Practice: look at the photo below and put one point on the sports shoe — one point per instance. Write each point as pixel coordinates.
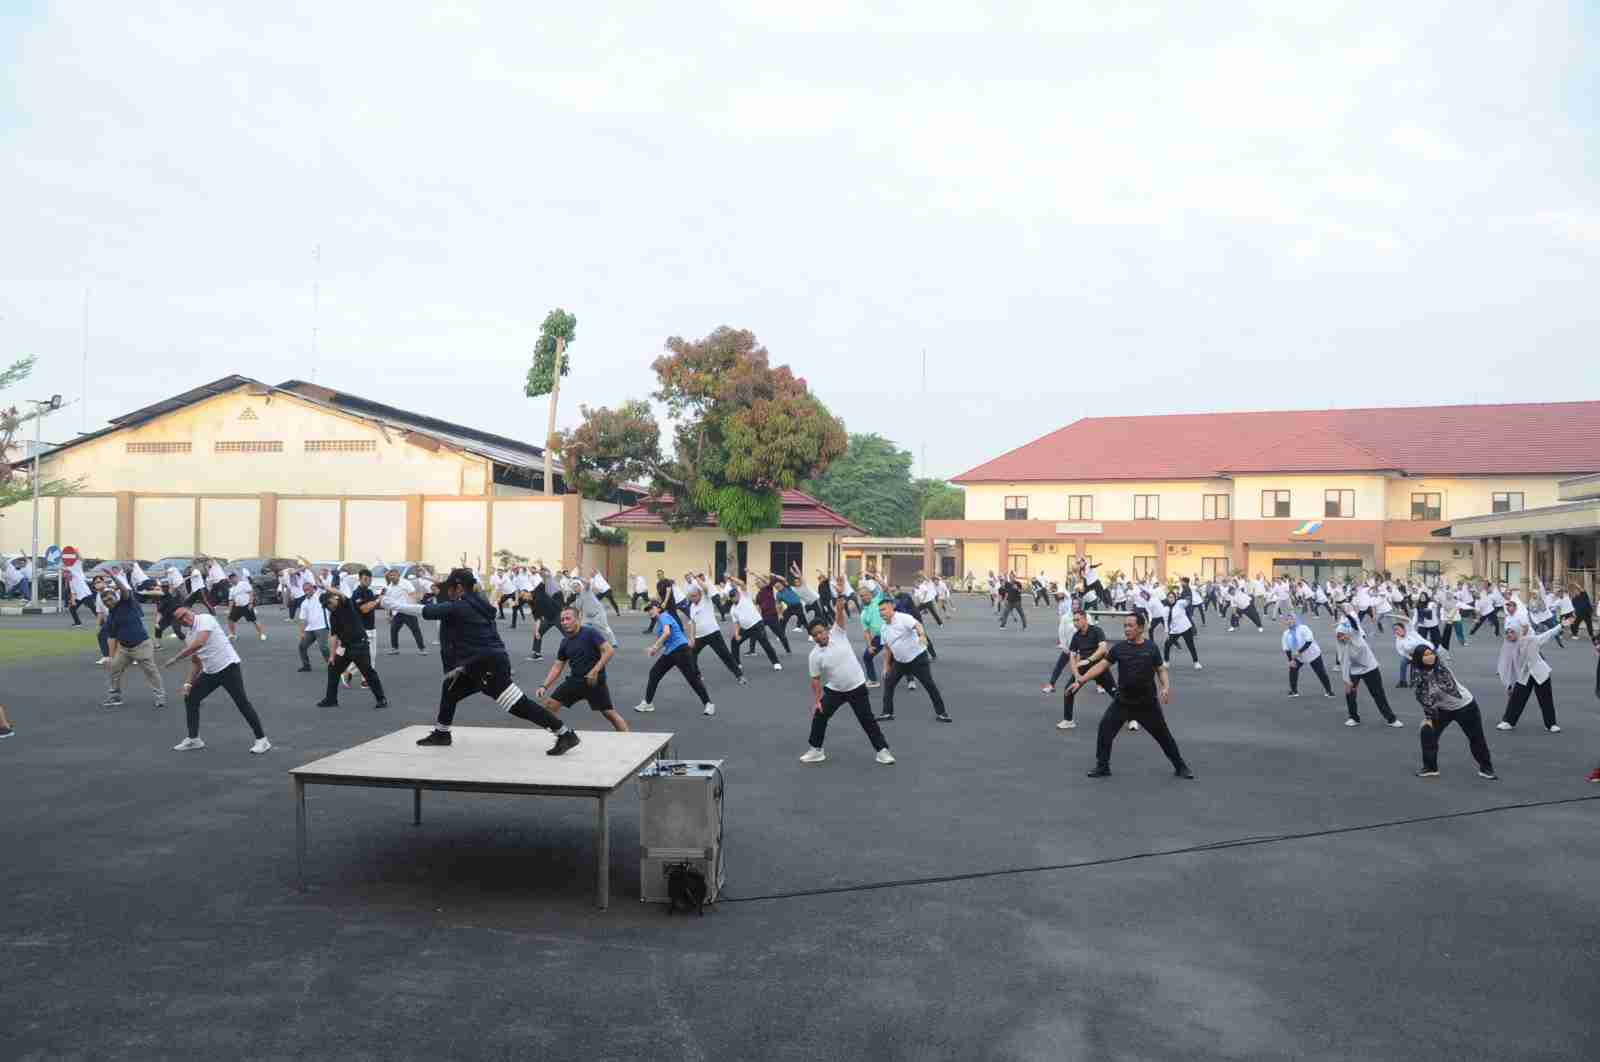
(102, 660)
(233, 637)
(1327, 694)
(113, 701)
(422, 652)
(1133, 724)
(813, 756)
(380, 705)
(263, 635)
(911, 684)
(1047, 689)
(743, 681)
(1292, 693)
(391, 652)
(1184, 773)
(188, 744)
(884, 756)
(777, 667)
(535, 656)
(1553, 729)
(567, 739)
(1100, 772)
(345, 678)
(644, 706)
(160, 702)
(886, 717)
(1594, 775)
(710, 709)
(1067, 724)
(1487, 775)
(1428, 772)
(942, 717)
(1503, 725)
(327, 704)
(1352, 722)
(1396, 723)
(435, 737)
(261, 745)
(873, 684)
(303, 667)
(6, 731)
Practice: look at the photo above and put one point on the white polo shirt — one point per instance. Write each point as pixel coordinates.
(398, 593)
(240, 594)
(218, 653)
(704, 618)
(837, 664)
(899, 635)
(312, 614)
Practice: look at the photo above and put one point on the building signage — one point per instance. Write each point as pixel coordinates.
(1079, 529)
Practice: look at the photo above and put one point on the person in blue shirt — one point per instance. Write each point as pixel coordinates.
(128, 643)
(672, 649)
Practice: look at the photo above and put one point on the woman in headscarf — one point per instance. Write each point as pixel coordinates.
(1302, 650)
(1524, 671)
(1444, 701)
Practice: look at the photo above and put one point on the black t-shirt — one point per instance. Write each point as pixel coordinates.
(582, 651)
(361, 595)
(1013, 593)
(1136, 670)
(1086, 641)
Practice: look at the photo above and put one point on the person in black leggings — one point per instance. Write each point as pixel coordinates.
(675, 651)
(1582, 610)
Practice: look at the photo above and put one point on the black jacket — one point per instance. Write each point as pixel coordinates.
(466, 628)
(344, 623)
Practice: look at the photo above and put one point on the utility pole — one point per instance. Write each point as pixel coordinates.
(39, 408)
(85, 427)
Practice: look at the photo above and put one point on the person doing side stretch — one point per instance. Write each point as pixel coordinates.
(588, 652)
(675, 651)
(1444, 701)
(907, 643)
(1140, 670)
(837, 679)
(1179, 627)
(1302, 650)
(1085, 641)
(706, 633)
(216, 663)
(1358, 664)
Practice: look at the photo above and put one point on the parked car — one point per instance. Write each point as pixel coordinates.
(263, 574)
(407, 569)
(110, 567)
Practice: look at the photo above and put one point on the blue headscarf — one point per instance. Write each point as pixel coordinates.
(1294, 632)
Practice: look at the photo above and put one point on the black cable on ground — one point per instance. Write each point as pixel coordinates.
(1214, 846)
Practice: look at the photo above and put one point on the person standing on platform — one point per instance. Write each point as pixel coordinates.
(1444, 701)
(672, 650)
(587, 652)
(909, 654)
(350, 648)
(1358, 665)
(475, 661)
(1301, 648)
(241, 606)
(1140, 674)
(836, 680)
(129, 644)
(215, 664)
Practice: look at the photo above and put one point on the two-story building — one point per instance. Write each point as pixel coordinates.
(1317, 493)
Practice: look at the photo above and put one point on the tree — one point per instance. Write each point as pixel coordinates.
(506, 558)
(871, 484)
(544, 375)
(743, 432)
(17, 485)
(941, 501)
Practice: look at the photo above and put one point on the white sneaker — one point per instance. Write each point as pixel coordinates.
(813, 756)
(1397, 723)
(1047, 689)
(261, 745)
(233, 637)
(188, 743)
(884, 756)
(1067, 724)
(644, 706)
(1502, 725)
(263, 636)
(777, 667)
(1352, 722)
(1198, 666)
(873, 684)
(710, 709)
(1133, 724)
(102, 660)
(1553, 729)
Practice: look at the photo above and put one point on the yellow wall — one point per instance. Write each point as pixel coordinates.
(90, 524)
(16, 526)
(531, 529)
(1306, 500)
(453, 532)
(163, 527)
(981, 559)
(309, 528)
(1400, 557)
(375, 531)
(1118, 556)
(230, 527)
(1180, 499)
(1468, 497)
(1180, 564)
(696, 551)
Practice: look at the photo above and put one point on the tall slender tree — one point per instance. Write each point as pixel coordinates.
(544, 375)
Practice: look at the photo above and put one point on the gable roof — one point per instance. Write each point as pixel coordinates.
(1538, 438)
(800, 512)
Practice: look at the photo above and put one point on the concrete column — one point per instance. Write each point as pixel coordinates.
(928, 564)
(197, 525)
(414, 527)
(1527, 561)
(125, 523)
(1560, 553)
(1005, 556)
(267, 524)
(573, 524)
(1161, 560)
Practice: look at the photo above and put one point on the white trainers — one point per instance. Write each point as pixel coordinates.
(1502, 725)
(263, 636)
(1067, 724)
(644, 706)
(102, 660)
(777, 667)
(1397, 723)
(884, 756)
(187, 744)
(1199, 666)
(1352, 722)
(1553, 728)
(873, 684)
(1047, 689)
(710, 709)
(813, 756)
(261, 745)
(1133, 724)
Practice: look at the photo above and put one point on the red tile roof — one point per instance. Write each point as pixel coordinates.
(800, 511)
(1542, 438)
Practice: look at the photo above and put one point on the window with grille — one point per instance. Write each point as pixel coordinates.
(248, 446)
(1423, 569)
(1080, 507)
(1339, 503)
(1213, 567)
(1144, 567)
(1426, 506)
(1147, 506)
(1274, 503)
(1507, 501)
(341, 446)
(156, 448)
(655, 546)
(1216, 507)
(1016, 506)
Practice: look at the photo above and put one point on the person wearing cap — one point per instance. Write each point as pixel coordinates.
(475, 661)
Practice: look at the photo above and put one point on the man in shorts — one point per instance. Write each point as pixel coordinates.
(241, 606)
(587, 652)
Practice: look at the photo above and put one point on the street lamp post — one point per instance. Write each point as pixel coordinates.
(39, 408)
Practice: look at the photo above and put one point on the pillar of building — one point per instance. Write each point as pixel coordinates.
(1004, 560)
(267, 524)
(1161, 560)
(1528, 576)
(1560, 553)
(125, 523)
(414, 527)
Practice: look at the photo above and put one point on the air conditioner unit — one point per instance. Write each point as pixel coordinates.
(1050, 547)
(1455, 551)
(1038, 548)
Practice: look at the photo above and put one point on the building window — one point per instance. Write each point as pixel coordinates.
(1144, 567)
(156, 448)
(1216, 507)
(1274, 503)
(1423, 569)
(1213, 567)
(655, 546)
(1080, 507)
(341, 446)
(247, 446)
(784, 555)
(1426, 506)
(947, 567)
(1511, 572)
(1339, 503)
(1016, 506)
(1147, 506)
(1507, 501)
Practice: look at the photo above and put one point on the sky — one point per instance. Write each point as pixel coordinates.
(1074, 209)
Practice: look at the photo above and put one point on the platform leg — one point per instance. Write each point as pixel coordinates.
(300, 833)
(416, 806)
(602, 844)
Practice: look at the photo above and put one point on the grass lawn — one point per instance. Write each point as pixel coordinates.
(23, 644)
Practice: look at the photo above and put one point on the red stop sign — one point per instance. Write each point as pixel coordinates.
(69, 556)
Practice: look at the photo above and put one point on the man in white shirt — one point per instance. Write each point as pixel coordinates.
(395, 592)
(79, 593)
(907, 643)
(706, 631)
(602, 589)
(313, 628)
(837, 679)
(215, 664)
(639, 592)
(241, 605)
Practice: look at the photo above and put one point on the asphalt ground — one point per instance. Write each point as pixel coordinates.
(1306, 897)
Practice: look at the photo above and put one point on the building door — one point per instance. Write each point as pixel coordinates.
(721, 562)
(783, 555)
(1315, 570)
(1019, 565)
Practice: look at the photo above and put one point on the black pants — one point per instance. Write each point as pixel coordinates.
(1249, 611)
(1148, 716)
(1062, 660)
(1068, 698)
(756, 634)
(1008, 609)
(859, 703)
(1432, 634)
(1446, 629)
(679, 658)
(1492, 617)
(718, 645)
(1200, 610)
(1373, 680)
(919, 669)
(543, 626)
(230, 678)
(1187, 637)
(1471, 722)
(361, 657)
(799, 614)
(1317, 666)
(639, 596)
(73, 604)
(516, 608)
(1519, 700)
(1586, 619)
(776, 627)
(1040, 596)
(491, 675)
(607, 596)
(402, 619)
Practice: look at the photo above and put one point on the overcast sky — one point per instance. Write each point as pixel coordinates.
(1074, 208)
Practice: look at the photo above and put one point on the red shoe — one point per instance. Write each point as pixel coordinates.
(1594, 775)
